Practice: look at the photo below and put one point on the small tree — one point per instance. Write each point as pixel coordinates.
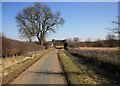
(75, 39)
(110, 39)
(38, 21)
(116, 29)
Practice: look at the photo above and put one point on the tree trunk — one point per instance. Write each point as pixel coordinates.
(40, 41)
(30, 40)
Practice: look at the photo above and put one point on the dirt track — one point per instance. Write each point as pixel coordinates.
(47, 70)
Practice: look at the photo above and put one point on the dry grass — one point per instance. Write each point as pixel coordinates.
(98, 48)
(19, 65)
(74, 74)
(93, 71)
(109, 55)
(7, 62)
(107, 59)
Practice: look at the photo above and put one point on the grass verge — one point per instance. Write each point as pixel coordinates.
(101, 72)
(89, 68)
(74, 74)
(17, 69)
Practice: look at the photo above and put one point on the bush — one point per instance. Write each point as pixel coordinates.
(13, 47)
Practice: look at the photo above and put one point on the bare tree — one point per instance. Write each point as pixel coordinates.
(75, 39)
(110, 38)
(38, 21)
(26, 34)
(116, 29)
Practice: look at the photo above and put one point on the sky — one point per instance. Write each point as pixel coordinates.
(82, 19)
(0, 17)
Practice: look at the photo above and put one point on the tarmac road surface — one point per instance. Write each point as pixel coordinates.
(46, 70)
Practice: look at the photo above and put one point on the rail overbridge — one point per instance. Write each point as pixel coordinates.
(56, 43)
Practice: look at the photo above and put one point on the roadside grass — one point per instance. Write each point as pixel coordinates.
(73, 73)
(9, 61)
(93, 71)
(102, 65)
(14, 70)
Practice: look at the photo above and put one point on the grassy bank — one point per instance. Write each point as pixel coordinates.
(73, 73)
(14, 70)
(90, 69)
(101, 63)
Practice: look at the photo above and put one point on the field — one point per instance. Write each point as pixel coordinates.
(98, 48)
(81, 66)
(105, 60)
(73, 73)
(109, 55)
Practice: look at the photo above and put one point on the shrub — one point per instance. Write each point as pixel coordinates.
(13, 47)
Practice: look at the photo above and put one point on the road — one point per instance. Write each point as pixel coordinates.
(46, 70)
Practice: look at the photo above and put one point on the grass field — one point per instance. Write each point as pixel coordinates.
(109, 55)
(99, 49)
(84, 70)
(104, 61)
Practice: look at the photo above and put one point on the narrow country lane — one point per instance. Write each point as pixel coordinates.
(47, 70)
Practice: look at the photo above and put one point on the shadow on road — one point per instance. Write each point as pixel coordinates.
(58, 73)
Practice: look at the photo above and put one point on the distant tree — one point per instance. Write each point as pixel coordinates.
(116, 29)
(88, 40)
(98, 39)
(38, 21)
(75, 39)
(69, 40)
(110, 39)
